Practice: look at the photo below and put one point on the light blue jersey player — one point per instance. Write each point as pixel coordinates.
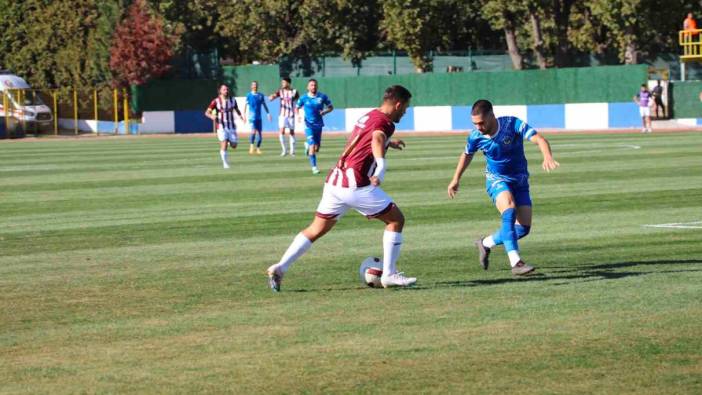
(254, 101)
(316, 105)
(507, 178)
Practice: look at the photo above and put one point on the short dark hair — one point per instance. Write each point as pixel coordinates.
(287, 79)
(397, 93)
(644, 86)
(481, 107)
(312, 79)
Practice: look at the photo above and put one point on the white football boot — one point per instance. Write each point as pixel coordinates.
(397, 280)
(275, 277)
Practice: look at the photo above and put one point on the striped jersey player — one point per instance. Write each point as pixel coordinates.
(507, 179)
(221, 110)
(354, 182)
(286, 118)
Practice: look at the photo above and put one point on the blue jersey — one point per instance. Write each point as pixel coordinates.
(255, 101)
(313, 105)
(504, 152)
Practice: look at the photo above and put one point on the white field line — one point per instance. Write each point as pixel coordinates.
(677, 225)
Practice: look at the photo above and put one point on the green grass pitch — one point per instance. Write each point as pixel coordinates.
(137, 265)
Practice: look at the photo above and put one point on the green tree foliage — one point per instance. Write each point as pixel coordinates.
(57, 43)
(193, 20)
(343, 26)
(263, 30)
(417, 27)
(65, 43)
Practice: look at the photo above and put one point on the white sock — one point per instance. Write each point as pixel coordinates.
(298, 247)
(225, 156)
(513, 257)
(282, 141)
(392, 242)
(292, 144)
(489, 242)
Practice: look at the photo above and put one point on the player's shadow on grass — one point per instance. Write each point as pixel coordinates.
(562, 275)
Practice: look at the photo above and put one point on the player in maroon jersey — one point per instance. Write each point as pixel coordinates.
(286, 118)
(221, 111)
(355, 183)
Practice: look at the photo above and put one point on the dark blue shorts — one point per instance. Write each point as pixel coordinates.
(256, 124)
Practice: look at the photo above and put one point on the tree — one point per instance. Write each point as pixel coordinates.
(504, 14)
(58, 43)
(141, 49)
(419, 26)
(193, 20)
(347, 26)
(535, 9)
(262, 31)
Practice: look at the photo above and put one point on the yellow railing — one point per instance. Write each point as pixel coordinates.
(691, 43)
(98, 105)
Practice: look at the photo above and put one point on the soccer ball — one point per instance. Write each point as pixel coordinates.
(370, 271)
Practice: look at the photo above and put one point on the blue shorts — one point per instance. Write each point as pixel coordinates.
(256, 124)
(518, 188)
(313, 136)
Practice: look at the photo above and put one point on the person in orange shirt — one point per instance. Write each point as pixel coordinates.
(690, 24)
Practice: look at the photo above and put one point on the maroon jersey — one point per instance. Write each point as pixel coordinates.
(357, 164)
(225, 112)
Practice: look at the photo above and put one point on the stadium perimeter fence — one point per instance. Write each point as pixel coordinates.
(66, 111)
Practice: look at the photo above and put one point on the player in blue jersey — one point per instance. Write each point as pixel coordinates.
(252, 113)
(501, 140)
(315, 104)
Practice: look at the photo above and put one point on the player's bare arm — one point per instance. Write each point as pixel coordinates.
(268, 113)
(545, 148)
(378, 147)
(327, 110)
(463, 163)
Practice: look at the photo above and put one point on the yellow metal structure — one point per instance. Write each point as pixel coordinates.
(691, 43)
(54, 94)
(83, 104)
(125, 104)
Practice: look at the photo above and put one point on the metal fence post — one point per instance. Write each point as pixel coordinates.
(56, 114)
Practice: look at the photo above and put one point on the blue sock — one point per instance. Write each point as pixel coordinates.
(522, 230)
(497, 237)
(508, 232)
(313, 160)
(259, 139)
(251, 138)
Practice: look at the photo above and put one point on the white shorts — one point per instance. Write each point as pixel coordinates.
(286, 122)
(227, 135)
(370, 201)
(645, 111)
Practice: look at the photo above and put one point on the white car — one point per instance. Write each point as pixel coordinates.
(31, 113)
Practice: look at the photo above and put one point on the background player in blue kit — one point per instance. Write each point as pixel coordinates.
(507, 178)
(254, 101)
(316, 105)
